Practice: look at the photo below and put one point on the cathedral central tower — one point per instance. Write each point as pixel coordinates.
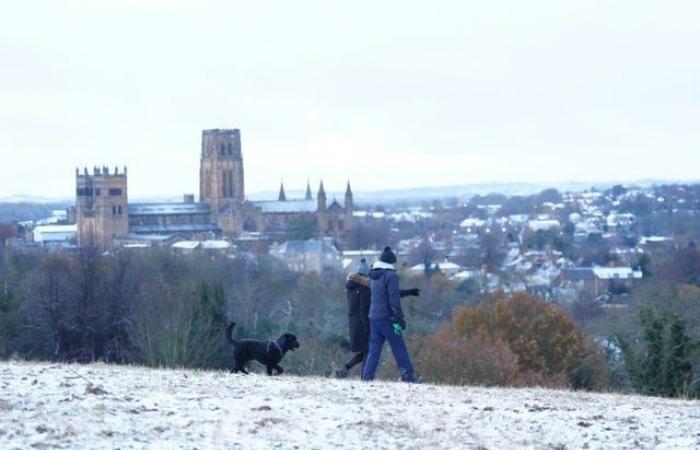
(221, 168)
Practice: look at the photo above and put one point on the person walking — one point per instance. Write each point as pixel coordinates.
(359, 295)
(359, 298)
(386, 318)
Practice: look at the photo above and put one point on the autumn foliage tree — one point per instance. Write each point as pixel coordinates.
(550, 349)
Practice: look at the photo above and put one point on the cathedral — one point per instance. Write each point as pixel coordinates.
(105, 218)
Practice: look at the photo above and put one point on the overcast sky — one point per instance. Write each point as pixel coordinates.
(384, 93)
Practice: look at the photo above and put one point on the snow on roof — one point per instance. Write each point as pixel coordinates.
(149, 209)
(466, 274)
(56, 229)
(186, 245)
(172, 228)
(654, 239)
(549, 224)
(301, 247)
(445, 265)
(216, 244)
(410, 216)
(374, 215)
(609, 273)
(287, 206)
(470, 222)
(361, 252)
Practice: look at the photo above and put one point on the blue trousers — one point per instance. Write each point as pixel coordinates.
(380, 331)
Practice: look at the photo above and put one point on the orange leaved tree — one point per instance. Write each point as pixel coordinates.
(549, 347)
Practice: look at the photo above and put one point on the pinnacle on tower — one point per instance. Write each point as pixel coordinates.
(321, 198)
(282, 196)
(308, 190)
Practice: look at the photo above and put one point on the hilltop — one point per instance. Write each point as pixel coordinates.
(100, 406)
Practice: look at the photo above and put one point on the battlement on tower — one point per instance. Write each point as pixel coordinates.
(100, 172)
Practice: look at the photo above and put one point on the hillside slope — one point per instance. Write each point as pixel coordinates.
(100, 406)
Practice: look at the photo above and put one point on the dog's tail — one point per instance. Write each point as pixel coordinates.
(229, 333)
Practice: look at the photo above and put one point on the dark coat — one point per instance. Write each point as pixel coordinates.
(359, 297)
(386, 295)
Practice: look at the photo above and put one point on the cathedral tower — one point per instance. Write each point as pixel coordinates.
(101, 207)
(221, 168)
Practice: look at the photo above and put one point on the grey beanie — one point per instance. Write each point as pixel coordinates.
(363, 268)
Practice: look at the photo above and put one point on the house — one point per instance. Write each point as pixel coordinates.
(472, 223)
(449, 269)
(55, 234)
(600, 280)
(543, 224)
(210, 246)
(313, 255)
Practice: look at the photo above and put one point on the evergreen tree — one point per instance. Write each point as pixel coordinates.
(663, 366)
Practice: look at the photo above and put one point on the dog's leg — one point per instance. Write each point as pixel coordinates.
(269, 370)
(244, 371)
(279, 369)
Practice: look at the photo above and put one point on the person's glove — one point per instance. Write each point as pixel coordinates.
(415, 292)
(399, 326)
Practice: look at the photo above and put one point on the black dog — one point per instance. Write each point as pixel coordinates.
(267, 353)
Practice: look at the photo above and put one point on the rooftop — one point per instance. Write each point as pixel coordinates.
(287, 206)
(172, 229)
(148, 209)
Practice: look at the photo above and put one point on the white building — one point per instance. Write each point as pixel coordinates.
(308, 256)
(55, 234)
(544, 225)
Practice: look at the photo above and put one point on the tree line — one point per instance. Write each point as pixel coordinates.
(159, 309)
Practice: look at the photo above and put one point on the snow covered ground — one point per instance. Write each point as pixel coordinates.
(100, 406)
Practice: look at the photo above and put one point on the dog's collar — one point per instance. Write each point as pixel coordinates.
(276, 344)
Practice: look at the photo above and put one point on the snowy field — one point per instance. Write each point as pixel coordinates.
(100, 406)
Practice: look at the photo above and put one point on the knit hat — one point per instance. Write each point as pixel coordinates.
(363, 268)
(388, 256)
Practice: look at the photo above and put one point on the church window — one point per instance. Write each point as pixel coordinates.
(98, 191)
(114, 210)
(230, 183)
(115, 192)
(222, 149)
(224, 184)
(119, 208)
(341, 225)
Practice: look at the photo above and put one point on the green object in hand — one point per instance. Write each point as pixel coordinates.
(397, 329)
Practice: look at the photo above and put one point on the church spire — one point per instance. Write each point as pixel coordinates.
(348, 199)
(321, 198)
(282, 196)
(308, 190)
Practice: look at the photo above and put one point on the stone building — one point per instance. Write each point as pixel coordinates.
(104, 216)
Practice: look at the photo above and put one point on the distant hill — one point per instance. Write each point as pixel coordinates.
(22, 207)
(464, 192)
(100, 406)
(24, 211)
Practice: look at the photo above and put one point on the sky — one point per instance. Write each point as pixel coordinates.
(386, 94)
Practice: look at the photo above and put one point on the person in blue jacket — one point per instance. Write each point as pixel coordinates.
(386, 319)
